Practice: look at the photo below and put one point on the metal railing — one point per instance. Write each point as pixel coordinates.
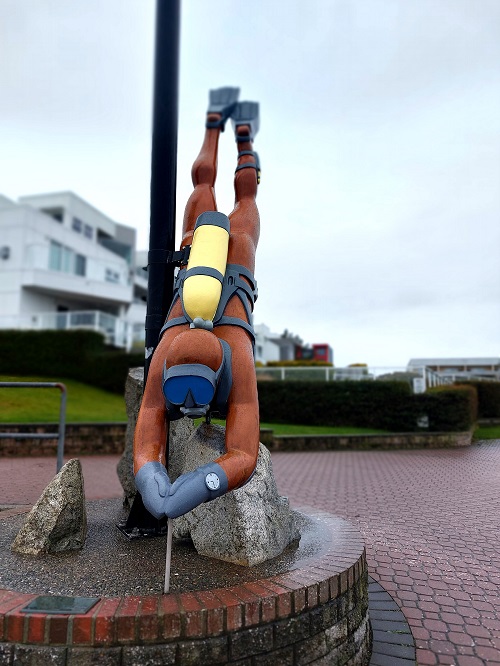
(116, 331)
(45, 435)
(419, 378)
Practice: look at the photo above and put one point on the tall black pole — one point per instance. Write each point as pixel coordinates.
(163, 171)
(140, 522)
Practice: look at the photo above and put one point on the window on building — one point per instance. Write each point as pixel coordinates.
(88, 231)
(68, 257)
(80, 264)
(65, 260)
(55, 255)
(112, 276)
(77, 225)
(55, 213)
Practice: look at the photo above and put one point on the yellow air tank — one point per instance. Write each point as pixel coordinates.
(206, 266)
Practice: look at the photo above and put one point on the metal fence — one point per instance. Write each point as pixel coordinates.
(116, 331)
(419, 378)
(45, 435)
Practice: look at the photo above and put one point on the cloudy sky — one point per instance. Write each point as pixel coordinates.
(379, 143)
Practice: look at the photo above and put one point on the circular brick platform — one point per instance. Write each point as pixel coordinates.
(316, 613)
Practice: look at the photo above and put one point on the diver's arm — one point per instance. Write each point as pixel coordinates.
(150, 440)
(242, 424)
(151, 430)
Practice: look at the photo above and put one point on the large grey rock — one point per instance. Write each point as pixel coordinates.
(179, 431)
(246, 526)
(134, 387)
(58, 521)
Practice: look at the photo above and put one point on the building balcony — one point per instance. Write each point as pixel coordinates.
(116, 331)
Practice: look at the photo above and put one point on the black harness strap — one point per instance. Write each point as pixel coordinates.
(233, 284)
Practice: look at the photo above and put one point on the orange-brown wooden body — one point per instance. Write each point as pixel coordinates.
(181, 345)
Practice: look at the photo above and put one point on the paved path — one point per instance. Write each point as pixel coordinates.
(431, 521)
(23, 479)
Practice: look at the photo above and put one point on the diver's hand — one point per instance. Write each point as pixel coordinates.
(193, 488)
(153, 483)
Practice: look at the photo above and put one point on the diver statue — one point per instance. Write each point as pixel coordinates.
(204, 361)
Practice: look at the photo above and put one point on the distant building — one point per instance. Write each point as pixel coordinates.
(460, 368)
(266, 344)
(64, 264)
(287, 347)
(318, 352)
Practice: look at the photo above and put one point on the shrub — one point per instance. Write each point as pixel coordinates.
(381, 405)
(386, 405)
(109, 370)
(449, 408)
(488, 394)
(77, 354)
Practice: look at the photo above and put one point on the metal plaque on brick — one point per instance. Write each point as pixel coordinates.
(53, 605)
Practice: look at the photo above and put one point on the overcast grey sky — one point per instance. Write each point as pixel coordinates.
(379, 143)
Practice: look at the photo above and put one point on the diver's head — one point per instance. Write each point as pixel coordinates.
(196, 374)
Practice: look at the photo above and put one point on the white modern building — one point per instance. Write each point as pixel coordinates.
(266, 344)
(460, 368)
(64, 264)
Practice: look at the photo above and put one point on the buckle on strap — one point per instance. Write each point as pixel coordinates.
(176, 257)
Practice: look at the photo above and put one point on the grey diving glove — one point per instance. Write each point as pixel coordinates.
(193, 488)
(153, 484)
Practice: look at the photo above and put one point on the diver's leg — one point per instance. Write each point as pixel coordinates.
(245, 221)
(204, 170)
(242, 424)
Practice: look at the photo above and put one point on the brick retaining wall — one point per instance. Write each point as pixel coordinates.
(80, 439)
(109, 438)
(431, 440)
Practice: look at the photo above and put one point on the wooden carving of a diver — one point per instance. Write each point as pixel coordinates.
(204, 361)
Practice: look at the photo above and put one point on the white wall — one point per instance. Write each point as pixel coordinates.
(265, 349)
(73, 207)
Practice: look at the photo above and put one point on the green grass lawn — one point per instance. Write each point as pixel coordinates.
(285, 429)
(487, 432)
(288, 429)
(41, 405)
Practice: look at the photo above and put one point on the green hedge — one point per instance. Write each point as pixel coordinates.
(78, 354)
(450, 407)
(296, 364)
(488, 394)
(365, 404)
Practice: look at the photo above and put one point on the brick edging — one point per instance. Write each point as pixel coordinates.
(431, 440)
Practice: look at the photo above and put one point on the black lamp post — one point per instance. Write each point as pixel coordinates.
(163, 171)
(140, 522)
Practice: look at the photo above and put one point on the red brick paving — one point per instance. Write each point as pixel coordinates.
(23, 479)
(431, 522)
(430, 519)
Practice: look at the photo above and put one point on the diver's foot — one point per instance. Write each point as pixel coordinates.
(245, 120)
(222, 103)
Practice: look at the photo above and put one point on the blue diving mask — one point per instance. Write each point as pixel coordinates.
(195, 390)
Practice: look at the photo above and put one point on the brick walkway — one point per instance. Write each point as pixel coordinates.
(23, 479)
(431, 522)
